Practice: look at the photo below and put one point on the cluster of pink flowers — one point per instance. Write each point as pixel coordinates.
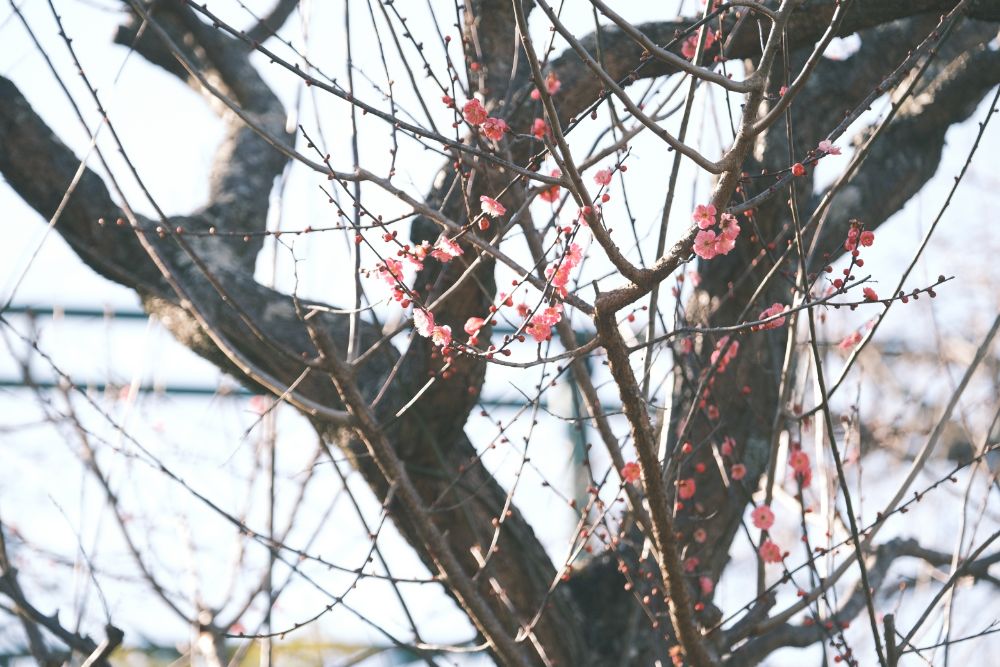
(541, 323)
(423, 322)
(391, 271)
(475, 114)
(855, 237)
(800, 464)
(738, 470)
(775, 309)
(445, 250)
(708, 243)
(732, 349)
(690, 46)
(826, 146)
(558, 272)
(552, 86)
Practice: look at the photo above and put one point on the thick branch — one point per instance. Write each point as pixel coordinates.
(270, 24)
(621, 54)
(429, 437)
(244, 166)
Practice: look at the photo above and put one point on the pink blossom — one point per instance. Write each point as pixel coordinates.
(728, 445)
(867, 238)
(704, 215)
(551, 194)
(552, 86)
(492, 207)
(738, 471)
(422, 250)
(763, 517)
(539, 128)
(539, 331)
(552, 83)
(559, 272)
(775, 309)
(559, 275)
(691, 43)
(706, 244)
(260, 404)
(391, 271)
(826, 146)
(574, 254)
(849, 341)
(473, 325)
(706, 584)
(725, 244)
(423, 322)
(445, 249)
(690, 46)
(494, 128)
(798, 460)
(770, 552)
(729, 226)
(540, 326)
(441, 335)
(732, 349)
(551, 315)
(851, 243)
(603, 177)
(630, 472)
(870, 294)
(686, 489)
(474, 112)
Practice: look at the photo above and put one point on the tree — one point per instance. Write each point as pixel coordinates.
(712, 385)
